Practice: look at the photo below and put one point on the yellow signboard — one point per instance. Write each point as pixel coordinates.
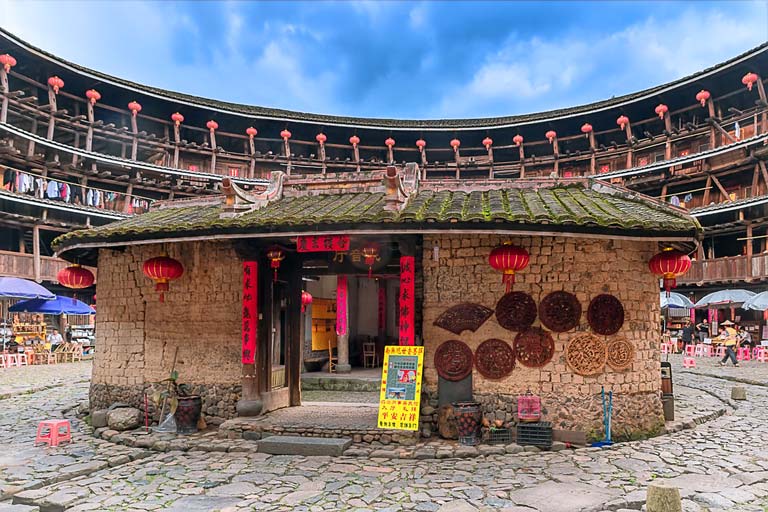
(401, 387)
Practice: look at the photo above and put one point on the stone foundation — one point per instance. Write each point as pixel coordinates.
(218, 400)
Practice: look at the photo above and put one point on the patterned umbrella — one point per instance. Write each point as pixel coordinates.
(675, 300)
(724, 299)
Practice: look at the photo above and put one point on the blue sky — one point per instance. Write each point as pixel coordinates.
(395, 59)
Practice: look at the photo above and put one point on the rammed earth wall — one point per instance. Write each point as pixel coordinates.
(585, 267)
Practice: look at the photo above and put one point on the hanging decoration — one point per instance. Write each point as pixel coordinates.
(605, 314)
(134, 107)
(341, 305)
(487, 142)
(306, 300)
(453, 360)
(702, 96)
(322, 243)
(177, 118)
(250, 318)
(749, 80)
(285, 135)
(56, 83)
(586, 354)
(251, 132)
(494, 359)
(516, 311)
(76, 278)
(321, 138)
(354, 140)
(622, 121)
(508, 259)
(212, 125)
(370, 256)
(621, 353)
(560, 311)
(466, 316)
(389, 142)
(275, 255)
(550, 135)
(586, 129)
(93, 96)
(421, 144)
(407, 300)
(7, 61)
(661, 109)
(517, 139)
(162, 270)
(670, 264)
(534, 347)
(455, 143)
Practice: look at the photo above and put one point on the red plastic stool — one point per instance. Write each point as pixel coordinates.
(54, 435)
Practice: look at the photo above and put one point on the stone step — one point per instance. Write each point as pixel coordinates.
(297, 445)
(338, 384)
(9, 507)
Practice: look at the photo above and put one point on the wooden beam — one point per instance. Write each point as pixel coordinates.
(36, 252)
(707, 188)
(52, 110)
(722, 130)
(293, 340)
(755, 180)
(5, 90)
(749, 251)
(764, 172)
(720, 186)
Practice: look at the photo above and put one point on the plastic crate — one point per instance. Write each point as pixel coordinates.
(469, 440)
(535, 434)
(499, 436)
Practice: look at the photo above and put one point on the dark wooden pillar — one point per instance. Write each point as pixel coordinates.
(267, 315)
(294, 341)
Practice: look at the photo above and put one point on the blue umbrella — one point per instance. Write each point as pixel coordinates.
(724, 299)
(759, 302)
(675, 300)
(59, 306)
(16, 288)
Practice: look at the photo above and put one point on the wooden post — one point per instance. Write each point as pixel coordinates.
(252, 163)
(135, 139)
(177, 141)
(630, 151)
(721, 188)
(556, 152)
(763, 171)
(4, 88)
(264, 360)
(250, 403)
(356, 152)
(764, 100)
(490, 158)
(31, 143)
(36, 252)
(592, 151)
(521, 152)
(749, 250)
(755, 180)
(423, 152)
(294, 341)
(712, 132)
(52, 108)
(287, 149)
(707, 186)
(456, 159)
(213, 151)
(322, 156)
(128, 194)
(390, 155)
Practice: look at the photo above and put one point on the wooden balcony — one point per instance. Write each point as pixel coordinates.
(16, 264)
(732, 269)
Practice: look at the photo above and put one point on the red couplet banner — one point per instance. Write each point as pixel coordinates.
(250, 311)
(407, 302)
(325, 243)
(341, 305)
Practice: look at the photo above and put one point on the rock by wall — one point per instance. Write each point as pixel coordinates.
(137, 336)
(584, 267)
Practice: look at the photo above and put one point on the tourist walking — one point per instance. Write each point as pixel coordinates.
(687, 334)
(731, 342)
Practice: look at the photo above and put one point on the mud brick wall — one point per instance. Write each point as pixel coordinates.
(137, 335)
(584, 267)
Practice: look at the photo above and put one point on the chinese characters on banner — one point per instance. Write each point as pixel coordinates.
(341, 305)
(407, 288)
(325, 243)
(382, 308)
(250, 311)
(401, 388)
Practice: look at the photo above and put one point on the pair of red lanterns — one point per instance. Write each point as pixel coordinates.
(668, 264)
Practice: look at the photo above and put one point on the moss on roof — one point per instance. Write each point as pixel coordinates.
(560, 208)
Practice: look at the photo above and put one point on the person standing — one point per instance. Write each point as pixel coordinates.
(687, 334)
(55, 339)
(702, 328)
(731, 342)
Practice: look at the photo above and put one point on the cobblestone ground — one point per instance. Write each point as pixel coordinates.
(720, 465)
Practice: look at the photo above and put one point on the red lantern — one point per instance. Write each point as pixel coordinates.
(508, 259)
(275, 256)
(354, 140)
(134, 107)
(487, 142)
(162, 270)
(93, 96)
(56, 83)
(177, 118)
(75, 277)
(702, 96)
(749, 80)
(670, 264)
(455, 143)
(251, 132)
(622, 121)
(321, 138)
(285, 134)
(7, 62)
(421, 144)
(517, 139)
(550, 135)
(370, 255)
(212, 125)
(586, 128)
(661, 109)
(389, 142)
(306, 300)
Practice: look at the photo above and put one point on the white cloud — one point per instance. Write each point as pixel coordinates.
(417, 17)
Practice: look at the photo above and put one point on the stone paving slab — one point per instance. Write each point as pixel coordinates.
(308, 446)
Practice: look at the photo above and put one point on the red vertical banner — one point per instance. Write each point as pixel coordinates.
(382, 307)
(341, 305)
(407, 302)
(250, 311)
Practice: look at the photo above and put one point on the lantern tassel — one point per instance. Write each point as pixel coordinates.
(162, 296)
(370, 272)
(509, 280)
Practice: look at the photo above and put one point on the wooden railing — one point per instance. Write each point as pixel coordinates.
(16, 264)
(727, 270)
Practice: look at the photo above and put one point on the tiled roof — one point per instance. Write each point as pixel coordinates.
(575, 208)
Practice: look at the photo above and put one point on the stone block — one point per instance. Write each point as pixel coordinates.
(738, 393)
(663, 498)
(99, 418)
(308, 446)
(124, 418)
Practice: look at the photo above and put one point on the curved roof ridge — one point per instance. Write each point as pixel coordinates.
(381, 123)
